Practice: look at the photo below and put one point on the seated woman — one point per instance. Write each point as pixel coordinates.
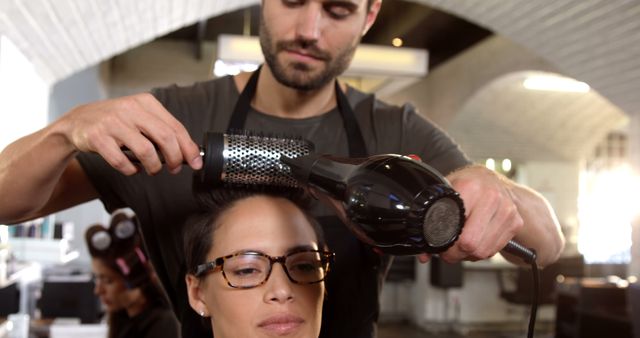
(256, 265)
(135, 302)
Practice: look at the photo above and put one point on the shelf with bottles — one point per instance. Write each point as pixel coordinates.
(42, 240)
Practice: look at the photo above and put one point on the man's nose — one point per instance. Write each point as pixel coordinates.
(309, 23)
(278, 287)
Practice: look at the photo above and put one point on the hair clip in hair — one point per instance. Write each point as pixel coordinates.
(124, 267)
(141, 255)
(124, 229)
(101, 240)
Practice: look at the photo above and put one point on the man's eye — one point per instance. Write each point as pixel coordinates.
(292, 3)
(338, 11)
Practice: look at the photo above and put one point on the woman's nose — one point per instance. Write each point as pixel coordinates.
(278, 288)
(98, 289)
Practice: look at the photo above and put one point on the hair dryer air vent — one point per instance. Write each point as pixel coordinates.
(442, 222)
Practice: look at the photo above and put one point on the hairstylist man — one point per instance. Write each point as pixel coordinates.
(306, 43)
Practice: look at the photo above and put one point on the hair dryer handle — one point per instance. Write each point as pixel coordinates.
(517, 249)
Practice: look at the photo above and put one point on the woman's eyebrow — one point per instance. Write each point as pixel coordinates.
(244, 251)
(295, 248)
(301, 247)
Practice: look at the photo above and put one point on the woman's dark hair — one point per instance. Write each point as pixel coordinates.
(198, 230)
(155, 296)
(120, 247)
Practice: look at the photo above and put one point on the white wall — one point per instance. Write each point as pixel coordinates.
(83, 87)
(634, 158)
(157, 64)
(23, 95)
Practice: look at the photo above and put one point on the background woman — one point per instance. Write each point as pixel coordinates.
(135, 303)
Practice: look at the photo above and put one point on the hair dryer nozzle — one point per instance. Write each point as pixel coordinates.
(299, 167)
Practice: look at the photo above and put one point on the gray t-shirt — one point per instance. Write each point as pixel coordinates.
(164, 201)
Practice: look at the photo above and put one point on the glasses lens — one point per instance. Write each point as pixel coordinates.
(306, 267)
(246, 270)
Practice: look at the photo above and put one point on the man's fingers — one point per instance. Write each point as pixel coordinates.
(143, 149)
(179, 148)
(190, 150)
(112, 154)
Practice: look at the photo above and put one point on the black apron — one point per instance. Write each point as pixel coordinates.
(351, 304)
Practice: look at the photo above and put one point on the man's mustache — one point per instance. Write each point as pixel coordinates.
(307, 47)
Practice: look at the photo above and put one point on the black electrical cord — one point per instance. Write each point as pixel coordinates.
(534, 300)
(529, 256)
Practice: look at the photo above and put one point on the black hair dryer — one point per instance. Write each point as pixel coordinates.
(398, 205)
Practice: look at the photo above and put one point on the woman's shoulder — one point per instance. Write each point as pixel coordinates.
(160, 322)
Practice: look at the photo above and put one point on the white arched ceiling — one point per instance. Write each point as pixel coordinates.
(61, 37)
(505, 120)
(595, 41)
(473, 94)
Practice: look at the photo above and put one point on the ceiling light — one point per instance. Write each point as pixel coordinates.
(555, 83)
(397, 42)
(506, 165)
(490, 164)
(369, 60)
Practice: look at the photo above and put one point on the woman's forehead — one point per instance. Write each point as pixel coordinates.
(100, 265)
(262, 222)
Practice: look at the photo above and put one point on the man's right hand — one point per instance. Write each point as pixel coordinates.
(39, 173)
(139, 123)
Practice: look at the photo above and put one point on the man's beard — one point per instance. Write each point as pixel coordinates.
(298, 75)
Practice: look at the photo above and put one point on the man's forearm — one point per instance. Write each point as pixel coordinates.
(541, 230)
(30, 169)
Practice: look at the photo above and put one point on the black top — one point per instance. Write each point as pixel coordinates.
(153, 322)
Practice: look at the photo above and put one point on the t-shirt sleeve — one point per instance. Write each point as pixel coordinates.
(103, 178)
(423, 137)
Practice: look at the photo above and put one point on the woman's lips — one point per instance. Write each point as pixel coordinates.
(281, 324)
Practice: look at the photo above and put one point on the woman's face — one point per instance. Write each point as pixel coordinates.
(278, 307)
(111, 289)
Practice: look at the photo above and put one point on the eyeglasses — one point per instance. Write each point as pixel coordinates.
(248, 269)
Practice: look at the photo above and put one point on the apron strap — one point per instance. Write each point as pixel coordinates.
(357, 147)
(241, 110)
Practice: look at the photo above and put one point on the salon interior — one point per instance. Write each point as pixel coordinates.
(544, 92)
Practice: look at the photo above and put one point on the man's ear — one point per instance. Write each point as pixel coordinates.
(196, 300)
(372, 14)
